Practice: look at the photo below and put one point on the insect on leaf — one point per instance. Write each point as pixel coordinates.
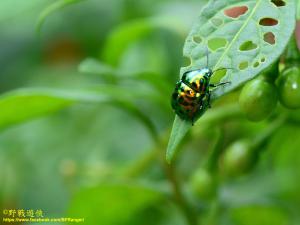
(246, 36)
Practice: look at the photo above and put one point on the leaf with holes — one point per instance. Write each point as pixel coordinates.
(246, 36)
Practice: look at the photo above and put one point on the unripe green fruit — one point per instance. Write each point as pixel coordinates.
(237, 158)
(289, 87)
(258, 99)
(203, 184)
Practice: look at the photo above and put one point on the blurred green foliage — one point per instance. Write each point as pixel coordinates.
(85, 120)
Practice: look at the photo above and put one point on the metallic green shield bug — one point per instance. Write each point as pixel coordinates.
(191, 96)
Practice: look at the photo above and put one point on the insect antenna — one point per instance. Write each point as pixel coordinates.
(207, 57)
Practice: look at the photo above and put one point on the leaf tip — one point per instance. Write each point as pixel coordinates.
(169, 158)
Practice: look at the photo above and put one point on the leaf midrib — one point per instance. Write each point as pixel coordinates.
(237, 34)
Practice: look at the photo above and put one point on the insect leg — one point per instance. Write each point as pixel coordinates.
(208, 99)
(219, 84)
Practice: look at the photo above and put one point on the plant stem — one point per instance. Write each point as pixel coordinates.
(157, 153)
(292, 55)
(212, 160)
(179, 197)
(171, 175)
(141, 165)
(216, 116)
(261, 139)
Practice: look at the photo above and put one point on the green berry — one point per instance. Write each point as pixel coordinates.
(289, 87)
(258, 99)
(203, 184)
(237, 158)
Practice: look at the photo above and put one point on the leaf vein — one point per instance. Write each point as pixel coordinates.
(237, 34)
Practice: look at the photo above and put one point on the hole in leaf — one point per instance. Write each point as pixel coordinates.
(218, 76)
(268, 22)
(243, 65)
(235, 12)
(270, 38)
(247, 46)
(217, 21)
(263, 59)
(278, 3)
(256, 64)
(217, 43)
(197, 39)
(186, 61)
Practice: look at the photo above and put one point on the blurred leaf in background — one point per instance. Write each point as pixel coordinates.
(85, 118)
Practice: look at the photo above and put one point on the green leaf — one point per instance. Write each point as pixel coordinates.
(259, 215)
(114, 204)
(244, 43)
(93, 66)
(285, 156)
(137, 113)
(9, 11)
(24, 104)
(240, 46)
(55, 6)
(125, 34)
(128, 93)
(298, 10)
(179, 130)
